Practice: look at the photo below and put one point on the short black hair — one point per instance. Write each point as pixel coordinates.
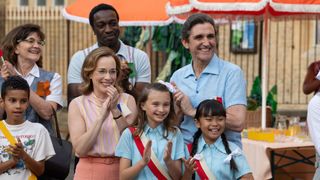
(14, 83)
(198, 18)
(101, 7)
(210, 107)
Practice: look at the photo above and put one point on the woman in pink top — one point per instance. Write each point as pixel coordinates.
(97, 118)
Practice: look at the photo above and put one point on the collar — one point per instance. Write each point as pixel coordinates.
(202, 145)
(95, 46)
(212, 68)
(34, 71)
(159, 129)
(123, 50)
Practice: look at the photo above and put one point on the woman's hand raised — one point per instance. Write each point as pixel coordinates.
(114, 95)
(7, 70)
(105, 109)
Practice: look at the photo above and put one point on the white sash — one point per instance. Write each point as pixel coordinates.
(154, 158)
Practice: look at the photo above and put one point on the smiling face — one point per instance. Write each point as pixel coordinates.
(15, 104)
(104, 75)
(29, 49)
(156, 107)
(201, 42)
(212, 127)
(106, 28)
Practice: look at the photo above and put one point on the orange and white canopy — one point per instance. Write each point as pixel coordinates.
(131, 12)
(230, 9)
(243, 7)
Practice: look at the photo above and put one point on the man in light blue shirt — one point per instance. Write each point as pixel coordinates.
(208, 77)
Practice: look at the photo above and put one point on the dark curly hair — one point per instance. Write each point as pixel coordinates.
(14, 83)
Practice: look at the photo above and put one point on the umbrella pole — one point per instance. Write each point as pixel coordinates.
(264, 78)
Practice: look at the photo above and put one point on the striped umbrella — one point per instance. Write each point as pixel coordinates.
(257, 9)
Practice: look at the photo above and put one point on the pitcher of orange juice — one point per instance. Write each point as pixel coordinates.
(294, 126)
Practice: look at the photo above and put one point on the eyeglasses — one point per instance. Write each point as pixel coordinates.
(103, 72)
(32, 41)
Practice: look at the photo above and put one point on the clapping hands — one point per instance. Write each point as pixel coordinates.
(114, 95)
(147, 153)
(167, 152)
(190, 165)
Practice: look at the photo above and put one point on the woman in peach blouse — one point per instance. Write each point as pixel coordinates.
(97, 118)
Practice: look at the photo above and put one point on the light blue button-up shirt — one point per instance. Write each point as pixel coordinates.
(126, 148)
(220, 78)
(215, 154)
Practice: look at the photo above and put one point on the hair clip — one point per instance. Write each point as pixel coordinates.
(236, 152)
(168, 85)
(218, 98)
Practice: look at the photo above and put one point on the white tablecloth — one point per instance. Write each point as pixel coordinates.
(258, 155)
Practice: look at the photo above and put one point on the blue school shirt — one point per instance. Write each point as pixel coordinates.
(215, 154)
(126, 148)
(219, 78)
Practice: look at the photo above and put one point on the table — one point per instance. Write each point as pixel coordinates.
(261, 156)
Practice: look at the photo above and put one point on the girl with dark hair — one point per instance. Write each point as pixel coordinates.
(212, 156)
(154, 148)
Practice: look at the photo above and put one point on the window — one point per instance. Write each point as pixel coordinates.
(24, 2)
(41, 2)
(59, 2)
(243, 37)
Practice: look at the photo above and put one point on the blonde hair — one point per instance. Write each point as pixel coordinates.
(90, 64)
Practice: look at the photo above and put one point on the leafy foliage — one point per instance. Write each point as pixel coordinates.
(255, 99)
(164, 38)
(131, 35)
(168, 39)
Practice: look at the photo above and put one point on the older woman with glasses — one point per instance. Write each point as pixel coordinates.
(22, 50)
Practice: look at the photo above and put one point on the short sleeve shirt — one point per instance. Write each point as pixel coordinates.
(55, 84)
(139, 58)
(220, 78)
(215, 154)
(126, 148)
(36, 143)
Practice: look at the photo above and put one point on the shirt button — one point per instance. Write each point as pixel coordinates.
(197, 92)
